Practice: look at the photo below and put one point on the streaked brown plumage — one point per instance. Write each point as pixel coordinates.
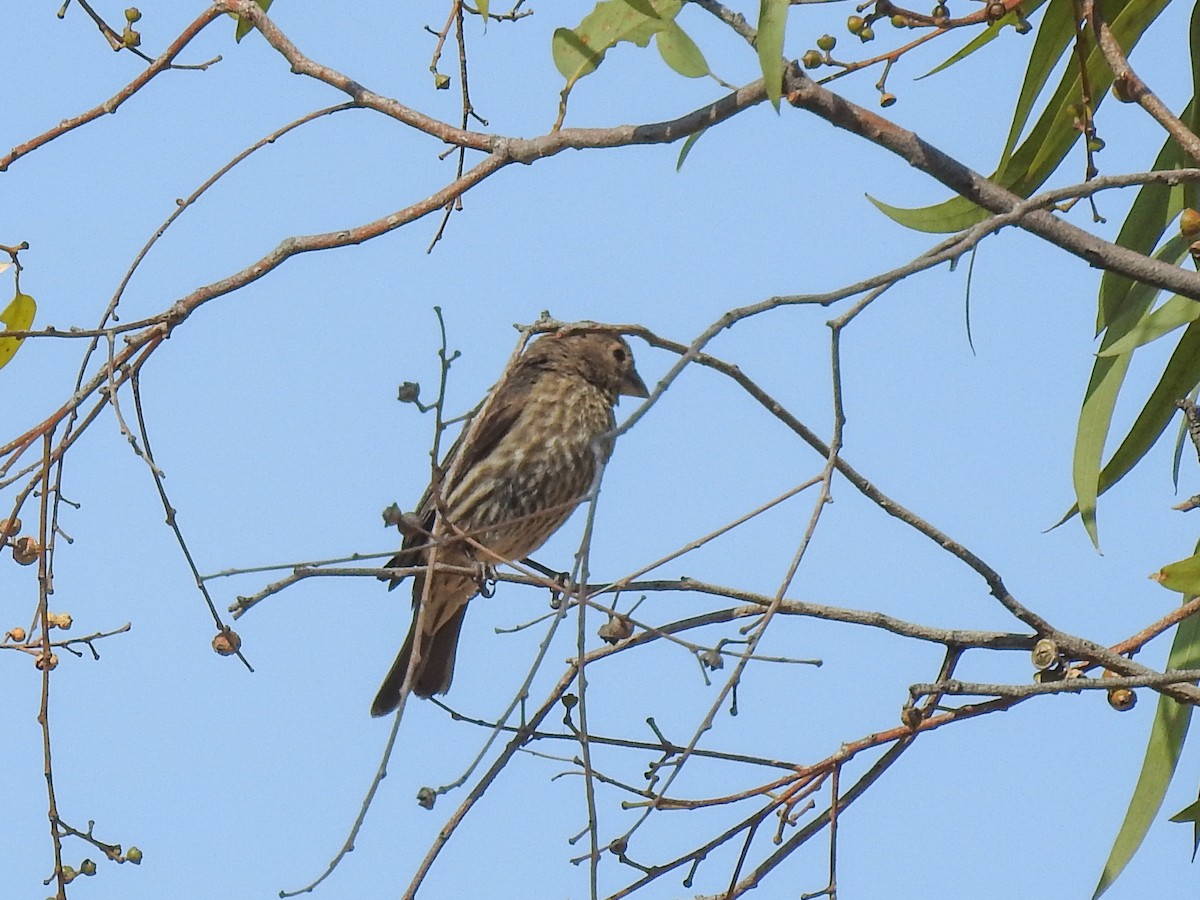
(526, 468)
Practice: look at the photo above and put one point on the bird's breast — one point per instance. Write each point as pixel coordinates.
(516, 496)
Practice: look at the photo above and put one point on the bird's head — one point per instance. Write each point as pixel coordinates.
(603, 358)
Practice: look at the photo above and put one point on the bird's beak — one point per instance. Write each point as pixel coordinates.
(633, 386)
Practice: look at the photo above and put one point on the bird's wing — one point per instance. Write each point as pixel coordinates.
(509, 401)
(507, 404)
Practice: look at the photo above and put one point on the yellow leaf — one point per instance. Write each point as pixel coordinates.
(17, 316)
(1182, 576)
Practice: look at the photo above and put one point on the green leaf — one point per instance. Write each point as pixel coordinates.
(1175, 312)
(687, 147)
(1190, 813)
(1180, 376)
(17, 316)
(1153, 209)
(772, 21)
(1167, 735)
(245, 26)
(984, 37)
(1053, 37)
(1053, 135)
(1095, 416)
(957, 214)
(680, 52)
(572, 56)
(1182, 576)
(579, 51)
(483, 6)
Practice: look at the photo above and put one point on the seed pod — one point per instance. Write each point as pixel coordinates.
(616, 629)
(26, 551)
(227, 642)
(1122, 89)
(1122, 699)
(1045, 652)
(1189, 223)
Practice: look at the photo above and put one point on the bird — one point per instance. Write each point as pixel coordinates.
(508, 482)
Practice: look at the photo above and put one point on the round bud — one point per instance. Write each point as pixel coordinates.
(855, 24)
(996, 11)
(426, 797)
(1122, 699)
(618, 846)
(1022, 26)
(1189, 223)
(87, 867)
(616, 629)
(132, 14)
(910, 716)
(409, 392)
(1045, 652)
(886, 99)
(867, 33)
(68, 874)
(811, 59)
(17, 635)
(9, 527)
(569, 701)
(227, 642)
(1095, 144)
(47, 663)
(441, 81)
(26, 551)
(1123, 90)
(826, 42)
(940, 12)
(899, 21)
(134, 855)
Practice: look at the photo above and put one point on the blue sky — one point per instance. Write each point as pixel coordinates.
(272, 412)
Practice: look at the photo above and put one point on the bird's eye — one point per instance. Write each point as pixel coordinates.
(619, 354)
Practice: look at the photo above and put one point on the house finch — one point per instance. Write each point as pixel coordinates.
(524, 470)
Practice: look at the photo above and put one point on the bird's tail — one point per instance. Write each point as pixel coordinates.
(435, 668)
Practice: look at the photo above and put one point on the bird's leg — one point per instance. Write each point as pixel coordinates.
(562, 579)
(485, 579)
